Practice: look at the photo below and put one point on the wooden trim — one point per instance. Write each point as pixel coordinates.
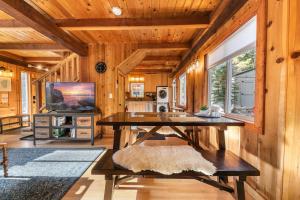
(23, 12)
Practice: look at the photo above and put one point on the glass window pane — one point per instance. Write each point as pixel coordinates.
(243, 84)
(137, 90)
(182, 90)
(217, 85)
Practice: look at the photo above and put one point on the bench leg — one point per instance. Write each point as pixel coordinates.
(239, 188)
(109, 183)
(5, 161)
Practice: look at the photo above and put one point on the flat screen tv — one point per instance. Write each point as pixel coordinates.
(70, 96)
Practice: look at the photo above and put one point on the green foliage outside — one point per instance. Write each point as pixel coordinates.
(241, 63)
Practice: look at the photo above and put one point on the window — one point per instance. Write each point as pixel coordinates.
(182, 90)
(25, 93)
(231, 73)
(137, 90)
(174, 92)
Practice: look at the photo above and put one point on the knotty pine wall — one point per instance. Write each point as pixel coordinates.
(272, 143)
(110, 86)
(15, 94)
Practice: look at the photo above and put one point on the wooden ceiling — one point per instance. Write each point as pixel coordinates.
(45, 28)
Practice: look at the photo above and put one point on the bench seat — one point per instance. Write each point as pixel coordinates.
(227, 164)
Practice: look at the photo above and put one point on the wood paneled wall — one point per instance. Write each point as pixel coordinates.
(291, 141)
(273, 148)
(15, 94)
(109, 94)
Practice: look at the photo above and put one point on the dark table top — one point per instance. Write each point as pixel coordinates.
(164, 119)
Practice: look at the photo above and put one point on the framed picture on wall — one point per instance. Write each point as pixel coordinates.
(5, 84)
(4, 100)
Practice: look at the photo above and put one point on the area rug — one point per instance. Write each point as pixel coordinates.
(44, 173)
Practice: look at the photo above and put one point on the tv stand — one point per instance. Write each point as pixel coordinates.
(73, 126)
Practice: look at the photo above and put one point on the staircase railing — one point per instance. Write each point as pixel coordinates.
(68, 70)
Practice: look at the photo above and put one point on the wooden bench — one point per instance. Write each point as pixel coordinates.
(19, 121)
(227, 164)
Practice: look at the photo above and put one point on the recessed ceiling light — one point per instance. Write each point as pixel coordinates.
(116, 11)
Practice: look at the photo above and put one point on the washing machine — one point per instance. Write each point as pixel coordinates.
(162, 93)
(162, 107)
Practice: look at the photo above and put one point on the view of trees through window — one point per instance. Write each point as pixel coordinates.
(237, 95)
(218, 79)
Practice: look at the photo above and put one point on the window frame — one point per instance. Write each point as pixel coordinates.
(227, 60)
(185, 95)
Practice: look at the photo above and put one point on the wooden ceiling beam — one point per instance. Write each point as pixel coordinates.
(26, 14)
(199, 21)
(141, 66)
(31, 46)
(225, 11)
(162, 58)
(151, 71)
(13, 61)
(164, 46)
(43, 59)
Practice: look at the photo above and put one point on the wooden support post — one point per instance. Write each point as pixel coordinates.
(5, 159)
(221, 138)
(108, 192)
(222, 146)
(239, 191)
(117, 138)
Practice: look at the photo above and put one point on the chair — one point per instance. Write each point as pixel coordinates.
(5, 158)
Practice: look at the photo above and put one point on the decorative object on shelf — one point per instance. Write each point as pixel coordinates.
(100, 67)
(4, 99)
(204, 110)
(5, 84)
(215, 111)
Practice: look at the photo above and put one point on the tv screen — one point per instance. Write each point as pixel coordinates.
(67, 96)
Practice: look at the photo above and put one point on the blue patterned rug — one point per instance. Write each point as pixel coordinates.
(43, 173)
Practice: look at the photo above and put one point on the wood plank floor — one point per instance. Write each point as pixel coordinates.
(91, 187)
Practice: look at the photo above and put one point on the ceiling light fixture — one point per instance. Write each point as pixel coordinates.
(116, 11)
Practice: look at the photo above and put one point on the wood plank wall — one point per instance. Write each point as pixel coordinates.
(108, 94)
(291, 176)
(15, 94)
(273, 148)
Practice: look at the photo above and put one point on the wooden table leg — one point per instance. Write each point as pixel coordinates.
(222, 146)
(109, 183)
(5, 160)
(117, 138)
(221, 137)
(239, 191)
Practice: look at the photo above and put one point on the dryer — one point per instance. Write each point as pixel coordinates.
(162, 93)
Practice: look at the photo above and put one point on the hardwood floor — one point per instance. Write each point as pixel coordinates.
(91, 187)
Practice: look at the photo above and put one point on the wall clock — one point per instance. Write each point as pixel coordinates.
(100, 67)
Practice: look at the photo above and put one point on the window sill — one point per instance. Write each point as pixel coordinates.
(245, 119)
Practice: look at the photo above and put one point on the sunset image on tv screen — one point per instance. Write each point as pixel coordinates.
(70, 96)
